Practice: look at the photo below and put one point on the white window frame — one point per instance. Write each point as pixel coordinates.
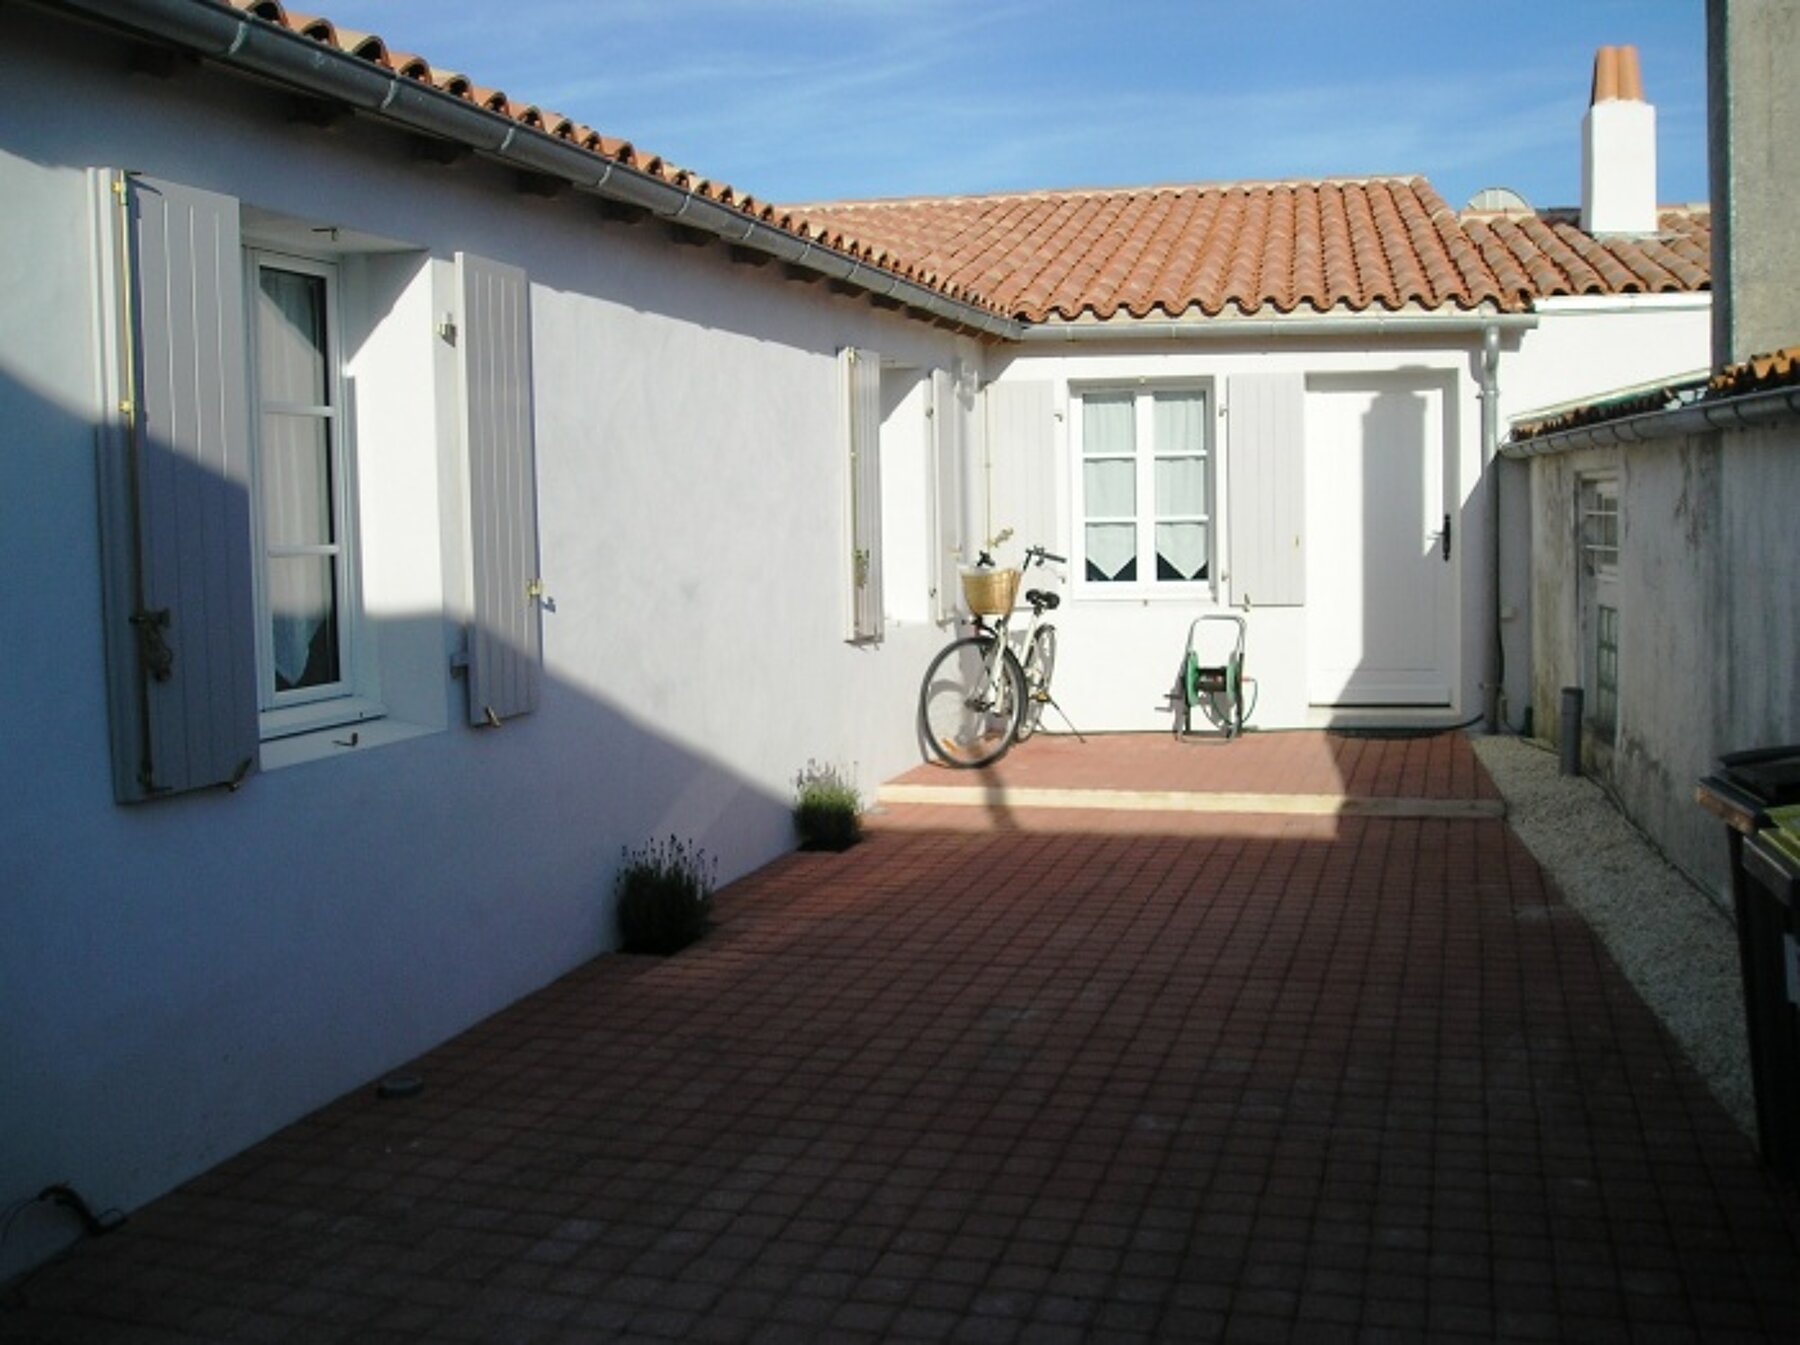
(349, 699)
(1145, 518)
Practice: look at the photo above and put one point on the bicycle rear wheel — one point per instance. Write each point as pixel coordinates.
(1040, 666)
(967, 718)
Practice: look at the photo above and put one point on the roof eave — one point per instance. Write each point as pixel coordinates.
(247, 46)
(1361, 324)
(1745, 411)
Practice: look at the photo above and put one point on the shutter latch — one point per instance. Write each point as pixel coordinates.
(153, 651)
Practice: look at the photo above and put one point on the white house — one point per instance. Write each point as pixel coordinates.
(1350, 350)
(420, 498)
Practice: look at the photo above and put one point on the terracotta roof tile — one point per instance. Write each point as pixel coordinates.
(1760, 373)
(1547, 255)
(371, 48)
(1349, 245)
(1323, 246)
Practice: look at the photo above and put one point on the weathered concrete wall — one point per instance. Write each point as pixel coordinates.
(1754, 111)
(1708, 628)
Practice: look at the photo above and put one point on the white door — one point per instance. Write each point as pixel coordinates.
(1380, 559)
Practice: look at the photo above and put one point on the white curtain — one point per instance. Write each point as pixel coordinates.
(1109, 483)
(1182, 503)
(294, 466)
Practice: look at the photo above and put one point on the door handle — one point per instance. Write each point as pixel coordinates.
(1444, 537)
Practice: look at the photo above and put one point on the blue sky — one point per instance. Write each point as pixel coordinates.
(807, 100)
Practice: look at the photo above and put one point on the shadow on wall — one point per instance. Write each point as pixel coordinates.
(182, 976)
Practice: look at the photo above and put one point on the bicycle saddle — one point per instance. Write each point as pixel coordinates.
(1042, 598)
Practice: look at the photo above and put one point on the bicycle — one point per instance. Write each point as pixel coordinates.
(978, 698)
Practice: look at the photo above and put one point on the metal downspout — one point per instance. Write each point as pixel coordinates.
(1490, 466)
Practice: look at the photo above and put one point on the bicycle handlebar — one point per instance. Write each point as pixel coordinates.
(1040, 555)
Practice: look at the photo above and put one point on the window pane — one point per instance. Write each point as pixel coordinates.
(1180, 422)
(1606, 669)
(290, 336)
(303, 621)
(1108, 424)
(1180, 486)
(1110, 488)
(1111, 551)
(296, 480)
(1181, 551)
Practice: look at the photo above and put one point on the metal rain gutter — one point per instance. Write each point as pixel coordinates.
(237, 42)
(1732, 413)
(1490, 444)
(1360, 326)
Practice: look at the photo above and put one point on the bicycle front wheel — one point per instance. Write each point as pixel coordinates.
(969, 708)
(1040, 666)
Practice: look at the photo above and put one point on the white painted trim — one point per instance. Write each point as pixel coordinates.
(1570, 304)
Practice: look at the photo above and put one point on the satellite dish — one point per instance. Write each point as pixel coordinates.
(1499, 201)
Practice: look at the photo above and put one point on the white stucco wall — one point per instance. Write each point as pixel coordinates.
(1709, 637)
(1118, 656)
(180, 977)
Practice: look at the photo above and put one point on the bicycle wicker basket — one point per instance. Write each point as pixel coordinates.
(990, 592)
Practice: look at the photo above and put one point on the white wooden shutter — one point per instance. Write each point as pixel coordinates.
(1022, 468)
(862, 400)
(174, 471)
(950, 526)
(1266, 459)
(494, 345)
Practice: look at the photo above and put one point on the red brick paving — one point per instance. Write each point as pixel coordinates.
(1184, 1078)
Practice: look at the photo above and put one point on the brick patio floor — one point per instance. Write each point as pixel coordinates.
(1065, 1075)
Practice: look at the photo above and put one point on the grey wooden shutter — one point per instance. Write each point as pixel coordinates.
(174, 471)
(1022, 466)
(1267, 508)
(862, 396)
(947, 425)
(506, 642)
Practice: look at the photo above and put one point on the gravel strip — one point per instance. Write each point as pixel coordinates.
(1669, 938)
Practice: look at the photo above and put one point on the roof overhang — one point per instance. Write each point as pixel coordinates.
(1746, 411)
(1415, 325)
(268, 52)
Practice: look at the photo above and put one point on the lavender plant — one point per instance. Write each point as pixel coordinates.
(827, 808)
(664, 892)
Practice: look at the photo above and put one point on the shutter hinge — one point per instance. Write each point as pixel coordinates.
(154, 653)
(862, 569)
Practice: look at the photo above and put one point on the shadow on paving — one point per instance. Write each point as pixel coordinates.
(1181, 1078)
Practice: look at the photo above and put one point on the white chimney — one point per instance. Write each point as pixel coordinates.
(1618, 149)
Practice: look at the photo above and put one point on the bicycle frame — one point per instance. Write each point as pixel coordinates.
(1001, 626)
